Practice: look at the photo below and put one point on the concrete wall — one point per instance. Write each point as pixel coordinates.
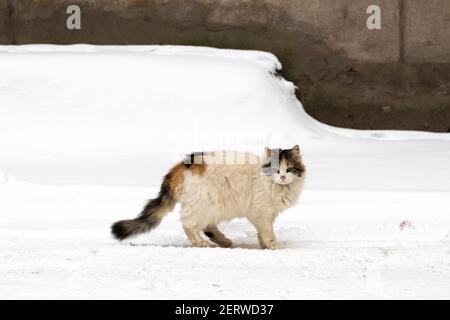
(394, 78)
(5, 24)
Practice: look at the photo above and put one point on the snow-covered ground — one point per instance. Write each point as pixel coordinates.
(87, 132)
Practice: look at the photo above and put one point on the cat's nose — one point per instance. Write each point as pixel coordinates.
(283, 178)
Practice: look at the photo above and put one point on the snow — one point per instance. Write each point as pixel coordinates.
(87, 132)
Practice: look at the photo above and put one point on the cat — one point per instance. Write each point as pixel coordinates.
(211, 189)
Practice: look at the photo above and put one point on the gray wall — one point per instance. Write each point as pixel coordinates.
(394, 78)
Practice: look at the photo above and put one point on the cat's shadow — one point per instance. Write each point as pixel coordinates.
(244, 246)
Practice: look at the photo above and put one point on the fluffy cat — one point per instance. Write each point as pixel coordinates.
(219, 186)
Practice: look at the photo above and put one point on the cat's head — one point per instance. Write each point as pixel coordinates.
(283, 165)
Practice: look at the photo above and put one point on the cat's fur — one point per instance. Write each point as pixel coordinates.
(219, 186)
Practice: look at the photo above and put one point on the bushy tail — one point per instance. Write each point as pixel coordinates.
(155, 210)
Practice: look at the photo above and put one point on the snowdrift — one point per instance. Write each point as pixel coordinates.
(121, 115)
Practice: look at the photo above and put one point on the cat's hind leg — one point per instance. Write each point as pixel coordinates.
(216, 236)
(194, 222)
(195, 238)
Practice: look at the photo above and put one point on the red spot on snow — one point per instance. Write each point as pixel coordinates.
(406, 224)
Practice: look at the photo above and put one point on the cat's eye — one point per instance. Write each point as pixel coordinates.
(290, 170)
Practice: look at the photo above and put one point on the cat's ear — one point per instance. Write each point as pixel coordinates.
(296, 149)
(268, 152)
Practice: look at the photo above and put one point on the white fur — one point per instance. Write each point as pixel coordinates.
(227, 190)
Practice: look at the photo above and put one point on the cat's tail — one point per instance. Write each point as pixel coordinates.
(155, 210)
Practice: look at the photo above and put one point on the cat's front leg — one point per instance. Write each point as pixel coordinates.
(264, 229)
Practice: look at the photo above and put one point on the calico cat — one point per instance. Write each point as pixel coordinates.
(219, 186)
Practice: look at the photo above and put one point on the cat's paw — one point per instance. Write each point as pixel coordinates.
(225, 243)
(202, 244)
(272, 245)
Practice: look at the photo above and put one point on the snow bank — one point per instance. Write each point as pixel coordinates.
(121, 115)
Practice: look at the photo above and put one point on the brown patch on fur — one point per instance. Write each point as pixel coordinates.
(176, 177)
(177, 174)
(198, 169)
(195, 163)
